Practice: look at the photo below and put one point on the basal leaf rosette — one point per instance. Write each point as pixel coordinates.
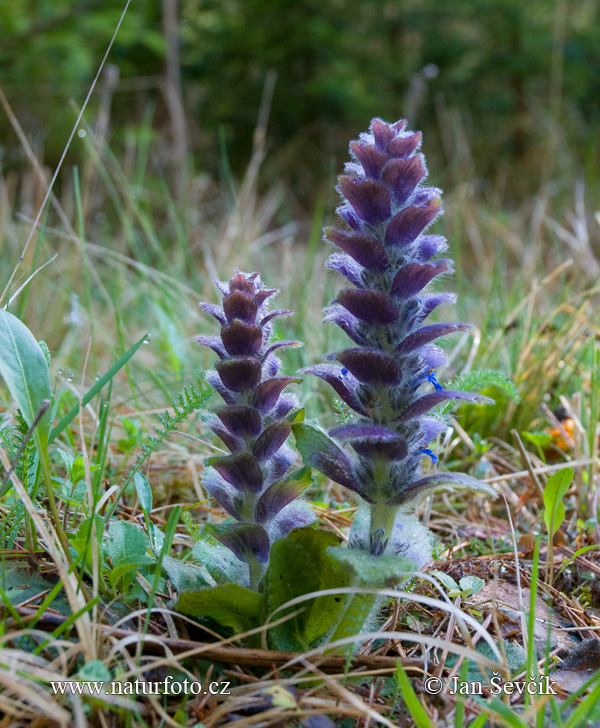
(253, 482)
(387, 377)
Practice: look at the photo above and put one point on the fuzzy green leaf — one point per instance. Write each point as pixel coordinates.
(19, 585)
(82, 540)
(230, 605)
(95, 671)
(300, 564)
(186, 577)
(221, 564)
(371, 571)
(127, 544)
(25, 371)
(126, 568)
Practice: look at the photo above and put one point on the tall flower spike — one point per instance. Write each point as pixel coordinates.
(385, 376)
(254, 425)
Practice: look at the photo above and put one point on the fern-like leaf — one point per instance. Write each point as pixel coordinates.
(478, 380)
(189, 401)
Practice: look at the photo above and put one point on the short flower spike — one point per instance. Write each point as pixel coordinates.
(250, 483)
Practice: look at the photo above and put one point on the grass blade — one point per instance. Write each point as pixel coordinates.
(90, 394)
(414, 706)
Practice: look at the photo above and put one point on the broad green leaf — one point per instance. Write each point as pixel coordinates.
(300, 564)
(555, 490)
(72, 494)
(446, 579)
(539, 439)
(372, 571)
(516, 656)
(127, 544)
(78, 469)
(144, 492)
(19, 585)
(25, 371)
(222, 565)
(187, 577)
(365, 570)
(136, 592)
(230, 605)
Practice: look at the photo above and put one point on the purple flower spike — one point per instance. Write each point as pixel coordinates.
(253, 483)
(388, 378)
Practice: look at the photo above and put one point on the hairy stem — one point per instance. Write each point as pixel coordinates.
(383, 518)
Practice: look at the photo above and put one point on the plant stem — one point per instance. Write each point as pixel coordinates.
(256, 570)
(383, 518)
(43, 451)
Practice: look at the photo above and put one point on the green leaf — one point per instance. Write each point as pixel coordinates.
(222, 565)
(555, 490)
(372, 571)
(470, 585)
(25, 371)
(67, 459)
(413, 704)
(539, 439)
(446, 580)
(300, 564)
(78, 469)
(127, 544)
(20, 585)
(95, 671)
(144, 492)
(186, 577)
(123, 569)
(72, 494)
(479, 721)
(230, 605)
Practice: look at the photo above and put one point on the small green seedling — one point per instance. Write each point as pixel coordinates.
(554, 509)
(466, 587)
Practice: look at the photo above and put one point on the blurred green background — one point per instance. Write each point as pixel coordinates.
(507, 92)
(213, 138)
